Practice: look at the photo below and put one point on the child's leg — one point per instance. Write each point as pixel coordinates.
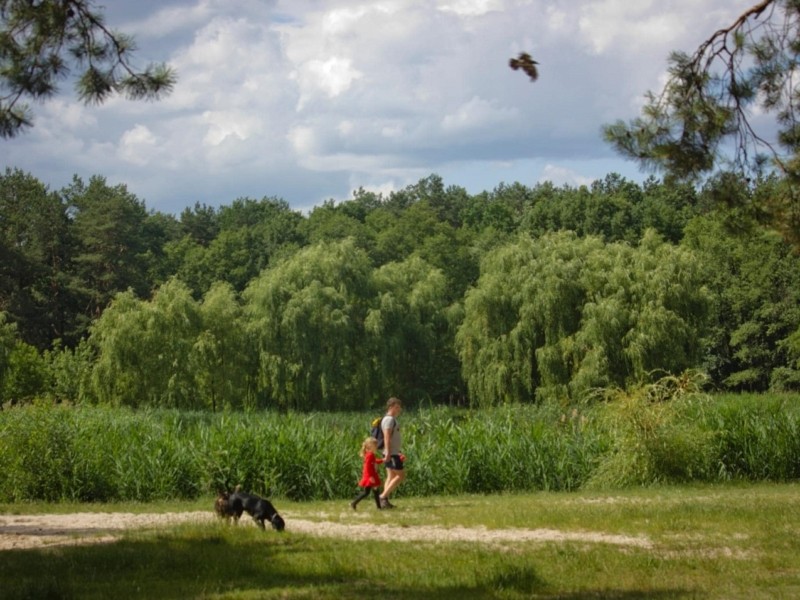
(376, 492)
(360, 496)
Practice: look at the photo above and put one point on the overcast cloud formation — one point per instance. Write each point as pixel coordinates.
(308, 100)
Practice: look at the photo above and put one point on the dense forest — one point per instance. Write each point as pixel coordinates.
(519, 294)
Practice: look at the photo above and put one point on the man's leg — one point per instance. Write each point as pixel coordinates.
(393, 479)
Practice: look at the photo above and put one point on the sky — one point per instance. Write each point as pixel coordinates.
(310, 100)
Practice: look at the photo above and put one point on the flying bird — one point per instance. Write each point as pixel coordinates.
(526, 63)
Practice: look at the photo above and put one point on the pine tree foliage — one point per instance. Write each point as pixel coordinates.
(731, 104)
(713, 95)
(44, 41)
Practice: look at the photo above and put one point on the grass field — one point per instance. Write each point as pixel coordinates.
(705, 541)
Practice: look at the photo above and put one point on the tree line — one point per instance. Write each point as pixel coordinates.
(518, 294)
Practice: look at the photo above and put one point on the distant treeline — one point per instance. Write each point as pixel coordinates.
(429, 293)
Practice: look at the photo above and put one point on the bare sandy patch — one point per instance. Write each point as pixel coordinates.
(33, 531)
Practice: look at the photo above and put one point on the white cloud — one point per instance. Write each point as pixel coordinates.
(332, 76)
(226, 124)
(478, 113)
(302, 140)
(470, 8)
(136, 145)
(563, 176)
(387, 91)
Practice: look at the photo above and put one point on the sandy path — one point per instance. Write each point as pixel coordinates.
(33, 531)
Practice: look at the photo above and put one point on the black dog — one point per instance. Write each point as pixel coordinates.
(237, 502)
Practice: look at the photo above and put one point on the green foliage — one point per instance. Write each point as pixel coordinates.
(113, 250)
(25, 374)
(705, 115)
(560, 316)
(408, 326)
(144, 349)
(660, 433)
(41, 41)
(222, 366)
(372, 309)
(70, 373)
(510, 448)
(306, 316)
(35, 278)
(233, 245)
(8, 339)
(759, 437)
(755, 280)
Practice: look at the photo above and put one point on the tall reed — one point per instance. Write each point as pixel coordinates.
(58, 452)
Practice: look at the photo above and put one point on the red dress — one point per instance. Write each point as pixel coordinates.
(369, 474)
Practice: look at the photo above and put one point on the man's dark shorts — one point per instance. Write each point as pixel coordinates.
(394, 462)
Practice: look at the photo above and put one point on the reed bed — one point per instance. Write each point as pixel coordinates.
(96, 454)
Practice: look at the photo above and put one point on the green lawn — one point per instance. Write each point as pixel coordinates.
(732, 541)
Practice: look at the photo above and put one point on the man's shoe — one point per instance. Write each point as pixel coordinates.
(386, 504)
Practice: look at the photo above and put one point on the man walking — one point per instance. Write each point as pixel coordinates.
(392, 450)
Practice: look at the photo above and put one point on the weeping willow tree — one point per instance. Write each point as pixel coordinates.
(221, 358)
(174, 351)
(561, 316)
(410, 328)
(306, 316)
(143, 349)
(731, 103)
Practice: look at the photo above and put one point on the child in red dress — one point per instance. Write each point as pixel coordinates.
(370, 480)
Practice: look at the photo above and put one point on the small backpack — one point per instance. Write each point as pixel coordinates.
(377, 432)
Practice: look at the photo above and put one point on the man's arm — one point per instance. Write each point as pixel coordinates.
(387, 441)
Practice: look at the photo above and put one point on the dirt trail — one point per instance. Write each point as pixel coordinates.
(34, 531)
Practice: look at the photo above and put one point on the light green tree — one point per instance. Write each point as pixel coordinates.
(23, 371)
(222, 358)
(561, 316)
(412, 333)
(144, 349)
(306, 315)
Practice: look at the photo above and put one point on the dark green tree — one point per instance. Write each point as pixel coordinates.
(35, 260)
(234, 244)
(330, 222)
(755, 280)
(200, 223)
(44, 41)
(113, 249)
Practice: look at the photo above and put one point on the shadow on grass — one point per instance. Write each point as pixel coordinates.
(525, 583)
(216, 565)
